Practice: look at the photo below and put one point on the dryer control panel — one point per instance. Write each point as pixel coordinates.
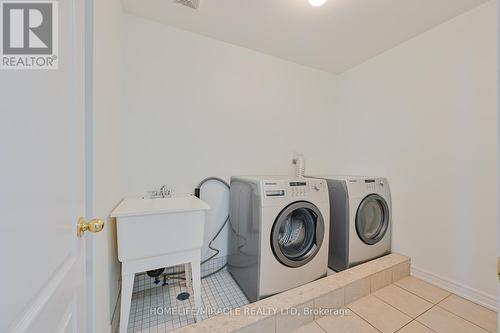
(360, 186)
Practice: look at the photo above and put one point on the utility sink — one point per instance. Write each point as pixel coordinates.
(155, 227)
(157, 233)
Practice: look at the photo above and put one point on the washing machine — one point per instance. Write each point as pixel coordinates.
(279, 230)
(360, 220)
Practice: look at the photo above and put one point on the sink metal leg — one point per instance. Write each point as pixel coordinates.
(187, 272)
(196, 274)
(131, 267)
(126, 299)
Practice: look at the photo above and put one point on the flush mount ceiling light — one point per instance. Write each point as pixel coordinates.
(317, 3)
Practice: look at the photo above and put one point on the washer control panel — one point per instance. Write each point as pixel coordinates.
(294, 188)
(298, 189)
(374, 184)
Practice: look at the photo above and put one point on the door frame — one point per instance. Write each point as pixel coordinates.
(89, 158)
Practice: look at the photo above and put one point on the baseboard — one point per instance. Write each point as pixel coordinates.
(474, 295)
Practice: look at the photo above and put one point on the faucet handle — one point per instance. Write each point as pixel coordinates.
(154, 194)
(166, 192)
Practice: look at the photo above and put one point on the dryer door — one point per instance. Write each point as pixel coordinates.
(297, 234)
(372, 219)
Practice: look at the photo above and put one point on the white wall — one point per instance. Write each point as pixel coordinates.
(105, 183)
(196, 107)
(424, 115)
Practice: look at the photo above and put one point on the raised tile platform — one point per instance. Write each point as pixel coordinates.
(279, 313)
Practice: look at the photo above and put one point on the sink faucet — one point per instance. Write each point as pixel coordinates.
(165, 192)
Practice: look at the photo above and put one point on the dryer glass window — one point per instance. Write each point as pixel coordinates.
(297, 234)
(372, 219)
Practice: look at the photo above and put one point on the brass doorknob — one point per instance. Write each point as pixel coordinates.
(94, 225)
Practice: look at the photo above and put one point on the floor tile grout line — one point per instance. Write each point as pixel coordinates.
(456, 314)
(408, 291)
(444, 299)
(422, 297)
(383, 301)
(412, 319)
(467, 320)
(437, 306)
(320, 327)
(363, 319)
(317, 324)
(424, 325)
(416, 319)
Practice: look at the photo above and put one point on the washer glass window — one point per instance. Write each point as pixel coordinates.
(297, 234)
(372, 219)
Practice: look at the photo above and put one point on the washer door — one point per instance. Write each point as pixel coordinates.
(372, 219)
(297, 234)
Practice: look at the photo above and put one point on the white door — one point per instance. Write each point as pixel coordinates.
(42, 272)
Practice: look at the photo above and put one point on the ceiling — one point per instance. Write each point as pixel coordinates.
(335, 37)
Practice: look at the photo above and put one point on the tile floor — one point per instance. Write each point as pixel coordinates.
(157, 310)
(409, 305)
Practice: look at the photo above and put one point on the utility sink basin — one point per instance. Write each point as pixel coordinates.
(155, 227)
